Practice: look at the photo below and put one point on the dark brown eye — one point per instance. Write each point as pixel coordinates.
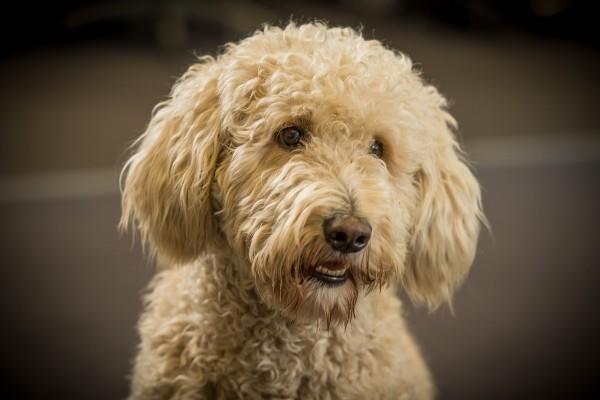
(291, 137)
(376, 148)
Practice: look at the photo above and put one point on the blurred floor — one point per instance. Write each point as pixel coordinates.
(525, 323)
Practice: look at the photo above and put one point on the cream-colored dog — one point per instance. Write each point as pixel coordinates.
(284, 187)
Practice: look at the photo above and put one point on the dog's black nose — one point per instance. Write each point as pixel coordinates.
(347, 234)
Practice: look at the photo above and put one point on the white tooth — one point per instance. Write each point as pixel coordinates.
(323, 270)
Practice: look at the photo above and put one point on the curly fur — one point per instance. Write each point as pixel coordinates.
(236, 221)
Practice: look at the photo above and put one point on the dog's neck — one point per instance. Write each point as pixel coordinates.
(232, 275)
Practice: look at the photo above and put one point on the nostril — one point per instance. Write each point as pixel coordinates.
(338, 236)
(361, 240)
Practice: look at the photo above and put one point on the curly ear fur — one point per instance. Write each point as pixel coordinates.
(166, 184)
(447, 219)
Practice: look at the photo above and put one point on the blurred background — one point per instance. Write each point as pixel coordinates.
(78, 82)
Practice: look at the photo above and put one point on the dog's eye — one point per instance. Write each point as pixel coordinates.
(290, 137)
(376, 148)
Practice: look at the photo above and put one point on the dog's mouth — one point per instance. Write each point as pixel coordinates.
(331, 273)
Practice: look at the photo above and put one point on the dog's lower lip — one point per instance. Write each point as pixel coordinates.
(330, 273)
(329, 279)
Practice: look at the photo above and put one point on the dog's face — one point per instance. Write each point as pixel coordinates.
(323, 162)
(315, 195)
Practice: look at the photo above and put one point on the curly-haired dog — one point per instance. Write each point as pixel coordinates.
(283, 186)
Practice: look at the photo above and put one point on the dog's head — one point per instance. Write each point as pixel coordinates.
(321, 159)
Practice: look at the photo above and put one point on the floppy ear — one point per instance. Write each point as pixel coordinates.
(166, 184)
(447, 218)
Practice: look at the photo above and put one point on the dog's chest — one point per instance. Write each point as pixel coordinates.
(245, 350)
(287, 360)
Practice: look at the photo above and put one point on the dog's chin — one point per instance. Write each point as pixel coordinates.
(327, 293)
(330, 303)
(324, 290)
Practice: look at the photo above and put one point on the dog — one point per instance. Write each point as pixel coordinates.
(287, 188)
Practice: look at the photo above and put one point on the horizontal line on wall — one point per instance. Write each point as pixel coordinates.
(515, 151)
(59, 185)
(496, 152)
